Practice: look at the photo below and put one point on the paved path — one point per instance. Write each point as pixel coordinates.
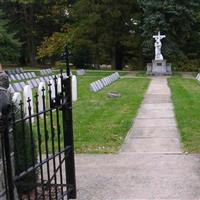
(154, 129)
(150, 165)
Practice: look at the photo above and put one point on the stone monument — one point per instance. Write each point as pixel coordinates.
(159, 66)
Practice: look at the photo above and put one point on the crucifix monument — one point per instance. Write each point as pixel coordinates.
(159, 66)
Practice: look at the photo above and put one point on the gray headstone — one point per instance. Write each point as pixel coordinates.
(26, 76)
(33, 74)
(17, 87)
(100, 84)
(29, 82)
(12, 77)
(38, 81)
(30, 75)
(18, 77)
(18, 71)
(34, 83)
(21, 70)
(42, 79)
(97, 85)
(22, 84)
(93, 87)
(22, 75)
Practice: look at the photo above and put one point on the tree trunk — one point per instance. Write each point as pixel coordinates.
(113, 62)
(117, 58)
(28, 15)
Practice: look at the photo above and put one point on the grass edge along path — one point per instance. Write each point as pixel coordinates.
(101, 123)
(186, 98)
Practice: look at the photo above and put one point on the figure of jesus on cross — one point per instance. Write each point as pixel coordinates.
(158, 46)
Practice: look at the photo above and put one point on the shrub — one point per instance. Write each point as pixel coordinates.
(23, 156)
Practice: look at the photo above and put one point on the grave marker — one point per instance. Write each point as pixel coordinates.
(16, 99)
(52, 86)
(17, 87)
(18, 77)
(27, 95)
(74, 88)
(30, 84)
(40, 96)
(59, 85)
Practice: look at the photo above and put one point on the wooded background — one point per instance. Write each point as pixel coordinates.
(112, 32)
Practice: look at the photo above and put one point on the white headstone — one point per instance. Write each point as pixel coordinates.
(27, 94)
(59, 85)
(198, 75)
(40, 96)
(80, 72)
(74, 88)
(53, 93)
(16, 99)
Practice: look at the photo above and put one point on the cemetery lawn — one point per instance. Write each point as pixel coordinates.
(186, 99)
(101, 123)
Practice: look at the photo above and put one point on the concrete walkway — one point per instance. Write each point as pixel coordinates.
(150, 165)
(154, 130)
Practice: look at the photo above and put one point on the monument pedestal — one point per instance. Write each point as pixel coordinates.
(159, 67)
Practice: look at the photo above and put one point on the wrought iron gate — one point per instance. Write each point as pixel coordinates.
(43, 146)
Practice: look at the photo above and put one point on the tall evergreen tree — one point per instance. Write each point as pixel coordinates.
(9, 45)
(33, 20)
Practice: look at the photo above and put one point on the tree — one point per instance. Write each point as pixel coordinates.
(9, 46)
(103, 31)
(174, 18)
(109, 26)
(34, 20)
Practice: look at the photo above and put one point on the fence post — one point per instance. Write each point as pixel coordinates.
(6, 167)
(68, 132)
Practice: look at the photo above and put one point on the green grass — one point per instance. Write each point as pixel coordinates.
(186, 98)
(141, 74)
(101, 123)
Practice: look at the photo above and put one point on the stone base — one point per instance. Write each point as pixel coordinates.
(159, 67)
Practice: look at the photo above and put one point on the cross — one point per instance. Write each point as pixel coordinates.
(159, 36)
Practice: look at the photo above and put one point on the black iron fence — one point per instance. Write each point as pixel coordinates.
(43, 146)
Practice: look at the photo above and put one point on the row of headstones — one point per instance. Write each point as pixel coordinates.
(198, 77)
(33, 83)
(15, 71)
(42, 90)
(22, 76)
(45, 72)
(100, 84)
